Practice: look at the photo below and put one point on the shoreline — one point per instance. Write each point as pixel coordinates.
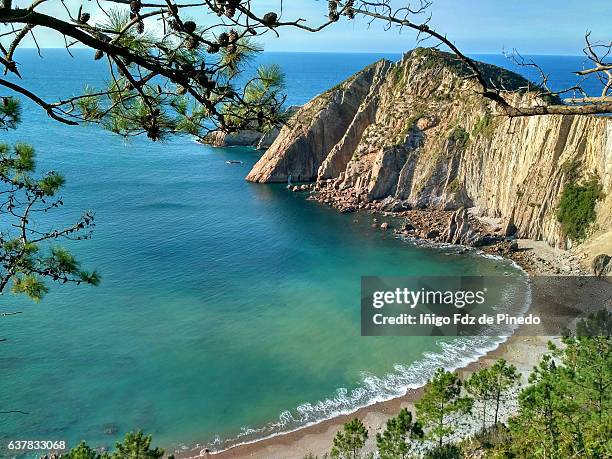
(522, 351)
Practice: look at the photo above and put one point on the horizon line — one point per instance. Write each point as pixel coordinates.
(481, 53)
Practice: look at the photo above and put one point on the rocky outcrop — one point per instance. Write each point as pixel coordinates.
(315, 129)
(246, 138)
(417, 135)
(602, 265)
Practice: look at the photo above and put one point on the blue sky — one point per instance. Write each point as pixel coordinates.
(477, 26)
(485, 26)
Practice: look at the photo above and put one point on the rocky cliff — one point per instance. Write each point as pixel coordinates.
(416, 134)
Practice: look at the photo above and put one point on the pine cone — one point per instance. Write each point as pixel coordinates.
(350, 12)
(223, 39)
(153, 133)
(135, 6)
(232, 48)
(189, 26)
(140, 27)
(84, 18)
(99, 55)
(233, 36)
(201, 79)
(230, 11)
(270, 19)
(213, 48)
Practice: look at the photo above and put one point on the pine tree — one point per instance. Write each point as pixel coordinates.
(136, 445)
(84, 451)
(442, 406)
(492, 385)
(566, 411)
(394, 442)
(28, 256)
(350, 440)
(504, 378)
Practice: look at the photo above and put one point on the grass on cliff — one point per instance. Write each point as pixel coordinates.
(496, 76)
(485, 127)
(576, 210)
(460, 136)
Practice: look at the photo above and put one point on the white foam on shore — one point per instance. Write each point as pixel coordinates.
(374, 389)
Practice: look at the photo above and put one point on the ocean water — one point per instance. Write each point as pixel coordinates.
(227, 310)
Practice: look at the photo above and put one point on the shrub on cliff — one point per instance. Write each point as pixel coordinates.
(576, 209)
(460, 136)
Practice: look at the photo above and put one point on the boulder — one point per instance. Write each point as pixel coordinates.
(601, 265)
(459, 229)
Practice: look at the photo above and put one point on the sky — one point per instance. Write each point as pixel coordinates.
(476, 26)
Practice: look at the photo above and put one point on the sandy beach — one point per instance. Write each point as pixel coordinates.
(522, 351)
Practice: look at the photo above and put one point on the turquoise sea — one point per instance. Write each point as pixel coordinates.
(227, 310)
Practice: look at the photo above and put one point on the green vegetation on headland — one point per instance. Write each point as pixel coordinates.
(565, 410)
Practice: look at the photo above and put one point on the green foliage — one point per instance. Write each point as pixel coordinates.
(571, 169)
(492, 385)
(84, 451)
(566, 411)
(259, 94)
(444, 452)
(576, 209)
(10, 113)
(136, 445)
(350, 440)
(26, 254)
(398, 73)
(596, 324)
(460, 136)
(394, 442)
(455, 185)
(484, 127)
(494, 442)
(128, 37)
(432, 58)
(233, 59)
(442, 406)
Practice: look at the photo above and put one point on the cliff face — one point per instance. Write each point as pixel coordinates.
(418, 134)
(316, 128)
